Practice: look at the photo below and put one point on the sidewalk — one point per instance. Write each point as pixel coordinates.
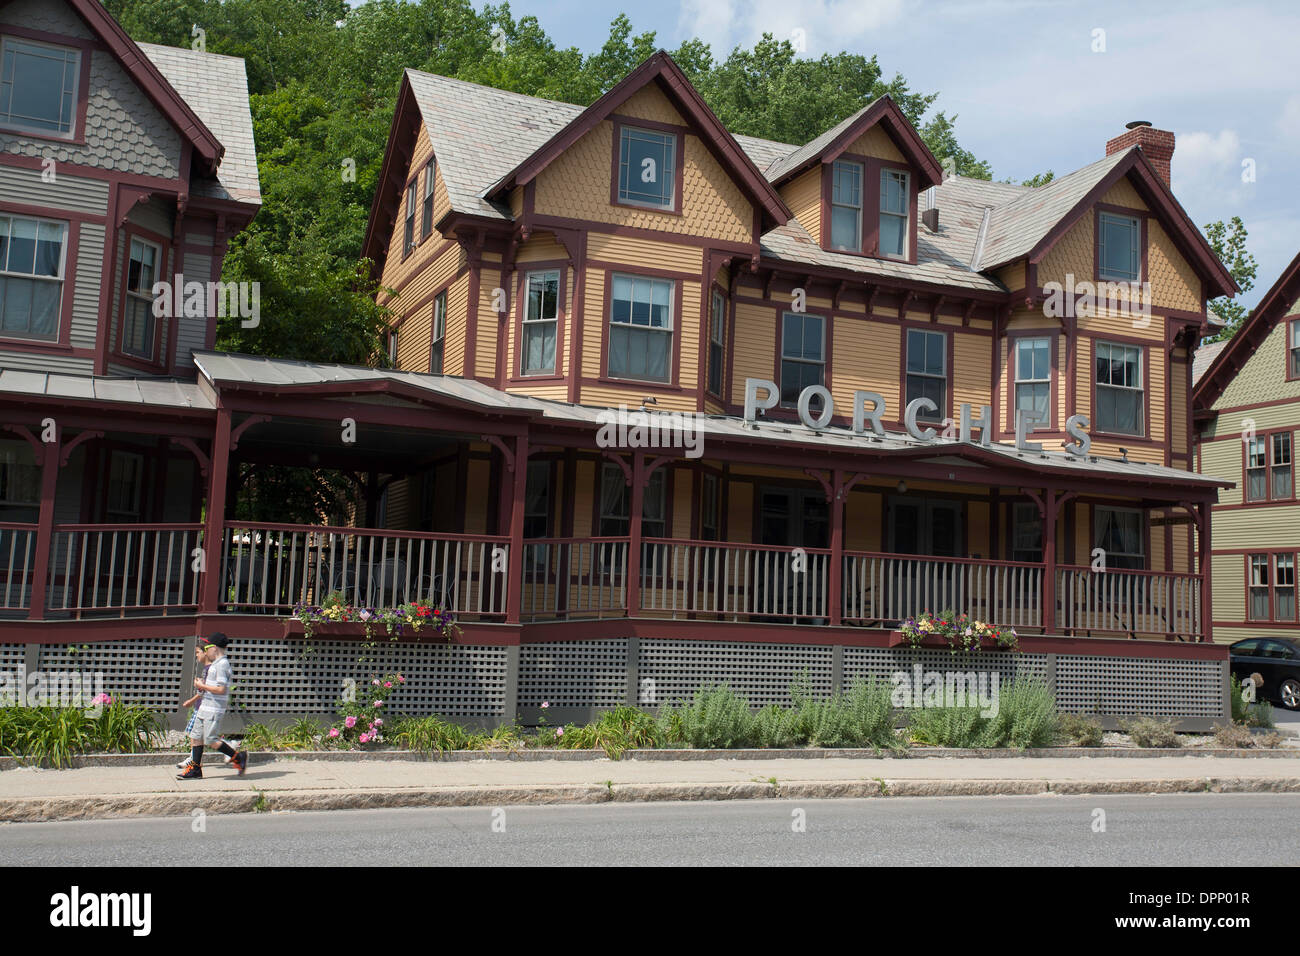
(297, 784)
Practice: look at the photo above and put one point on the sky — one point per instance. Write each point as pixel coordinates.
(1038, 84)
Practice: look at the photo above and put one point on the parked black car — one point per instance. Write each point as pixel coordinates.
(1277, 660)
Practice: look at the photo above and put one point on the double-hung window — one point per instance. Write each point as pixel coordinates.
(125, 471)
(1118, 532)
(20, 478)
(1026, 533)
(641, 328)
(803, 355)
(615, 504)
(846, 206)
(426, 219)
(38, 87)
(1034, 379)
(138, 324)
(927, 371)
(1121, 402)
(1269, 469)
(32, 254)
(438, 332)
(1293, 350)
(709, 507)
(647, 168)
(894, 213)
(537, 513)
(717, 336)
(408, 242)
(541, 319)
(1119, 247)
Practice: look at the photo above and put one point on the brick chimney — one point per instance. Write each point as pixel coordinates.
(1157, 145)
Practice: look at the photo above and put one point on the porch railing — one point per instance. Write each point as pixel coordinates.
(136, 567)
(1133, 603)
(718, 579)
(574, 578)
(18, 554)
(889, 588)
(270, 568)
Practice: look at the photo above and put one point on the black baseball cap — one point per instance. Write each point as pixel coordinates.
(217, 639)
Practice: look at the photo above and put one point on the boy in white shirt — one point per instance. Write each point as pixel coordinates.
(215, 686)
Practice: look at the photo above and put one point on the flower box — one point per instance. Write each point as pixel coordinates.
(899, 639)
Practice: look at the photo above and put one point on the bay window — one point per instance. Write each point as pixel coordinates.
(541, 320)
(1121, 401)
(138, 325)
(1034, 379)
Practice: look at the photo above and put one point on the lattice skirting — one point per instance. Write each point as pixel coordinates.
(489, 684)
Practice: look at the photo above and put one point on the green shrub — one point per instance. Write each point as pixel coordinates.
(776, 726)
(714, 717)
(427, 734)
(862, 717)
(1150, 731)
(56, 734)
(1240, 736)
(1026, 717)
(1257, 714)
(1080, 731)
(946, 726)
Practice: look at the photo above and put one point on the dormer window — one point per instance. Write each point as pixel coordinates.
(894, 205)
(846, 207)
(647, 168)
(38, 87)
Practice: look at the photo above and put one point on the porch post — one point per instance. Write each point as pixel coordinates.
(837, 548)
(214, 520)
(1203, 566)
(519, 489)
(1049, 508)
(634, 535)
(45, 525)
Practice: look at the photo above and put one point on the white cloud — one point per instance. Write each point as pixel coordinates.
(828, 25)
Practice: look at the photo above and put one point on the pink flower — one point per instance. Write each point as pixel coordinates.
(559, 731)
(379, 722)
(364, 738)
(545, 704)
(401, 679)
(375, 682)
(379, 703)
(350, 722)
(100, 699)
(334, 732)
(388, 683)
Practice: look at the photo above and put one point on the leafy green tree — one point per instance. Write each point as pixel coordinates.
(1229, 244)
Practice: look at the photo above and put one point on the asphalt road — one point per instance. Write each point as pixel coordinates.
(1188, 830)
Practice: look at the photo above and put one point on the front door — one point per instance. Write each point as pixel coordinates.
(929, 526)
(791, 518)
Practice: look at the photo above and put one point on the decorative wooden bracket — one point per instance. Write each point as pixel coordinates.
(837, 295)
(244, 426)
(196, 451)
(847, 486)
(571, 239)
(871, 291)
(65, 452)
(822, 479)
(502, 447)
(906, 301)
(618, 460)
(936, 306)
(130, 199)
(1036, 499)
(767, 283)
(38, 448)
(966, 312)
(649, 469)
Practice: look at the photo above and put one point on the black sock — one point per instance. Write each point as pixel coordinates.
(226, 749)
(196, 755)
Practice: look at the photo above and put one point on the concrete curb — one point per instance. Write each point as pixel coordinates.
(158, 759)
(48, 809)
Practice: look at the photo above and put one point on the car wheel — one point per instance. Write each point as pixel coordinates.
(1289, 692)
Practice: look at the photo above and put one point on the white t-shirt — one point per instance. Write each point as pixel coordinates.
(214, 705)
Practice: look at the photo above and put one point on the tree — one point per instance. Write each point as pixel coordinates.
(1229, 244)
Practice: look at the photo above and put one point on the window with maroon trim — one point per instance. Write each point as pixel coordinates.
(803, 356)
(139, 327)
(641, 328)
(408, 240)
(1271, 589)
(927, 372)
(1119, 247)
(1293, 349)
(1033, 364)
(438, 332)
(1270, 472)
(710, 507)
(846, 206)
(541, 322)
(32, 267)
(125, 480)
(426, 219)
(38, 87)
(647, 168)
(616, 504)
(895, 213)
(1121, 400)
(717, 336)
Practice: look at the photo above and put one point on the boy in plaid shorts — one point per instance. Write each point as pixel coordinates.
(200, 661)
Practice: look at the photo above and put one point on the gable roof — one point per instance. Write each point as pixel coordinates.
(216, 87)
(658, 68)
(1232, 354)
(207, 148)
(832, 143)
(1029, 225)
